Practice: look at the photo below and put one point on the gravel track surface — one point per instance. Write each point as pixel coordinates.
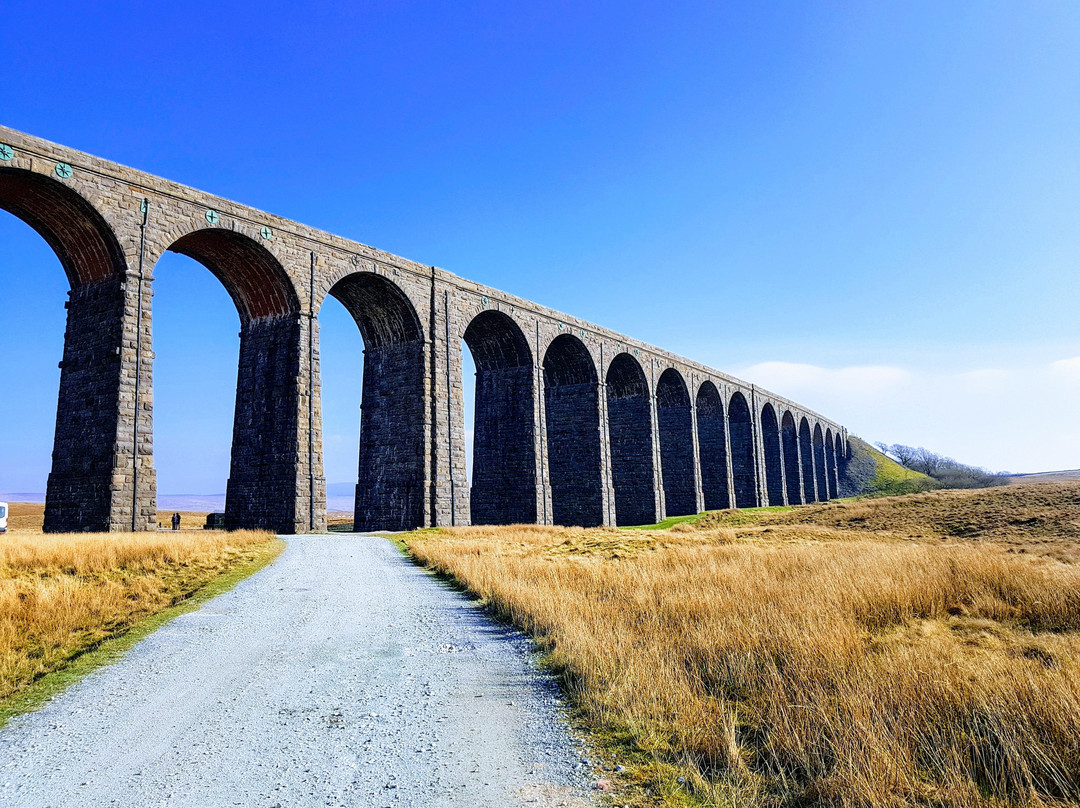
(341, 675)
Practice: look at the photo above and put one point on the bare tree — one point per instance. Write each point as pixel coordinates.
(945, 470)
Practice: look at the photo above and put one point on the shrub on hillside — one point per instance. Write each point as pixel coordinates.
(950, 473)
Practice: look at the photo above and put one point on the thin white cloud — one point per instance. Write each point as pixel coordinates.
(1000, 418)
(1067, 367)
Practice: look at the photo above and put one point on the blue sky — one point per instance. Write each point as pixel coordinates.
(870, 208)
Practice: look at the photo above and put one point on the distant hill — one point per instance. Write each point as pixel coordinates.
(1067, 476)
(341, 489)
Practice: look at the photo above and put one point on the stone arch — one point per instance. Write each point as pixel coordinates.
(841, 459)
(264, 475)
(503, 488)
(743, 464)
(572, 406)
(806, 449)
(390, 477)
(255, 280)
(830, 464)
(630, 433)
(712, 447)
(77, 232)
(774, 464)
(790, 440)
(676, 431)
(820, 476)
(92, 445)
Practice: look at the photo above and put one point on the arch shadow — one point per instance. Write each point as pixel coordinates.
(790, 440)
(774, 464)
(806, 450)
(630, 434)
(743, 463)
(676, 430)
(712, 447)
(572, 406)
(503, 488)
(830, 463)
(820, 472)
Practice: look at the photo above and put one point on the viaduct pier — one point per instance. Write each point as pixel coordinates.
(574, 424)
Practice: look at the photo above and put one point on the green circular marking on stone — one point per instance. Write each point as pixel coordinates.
(63, 170)
(6, 152)
(212, 216)
(484, 302)
(582, 332)
(266, 233)
(560, 326)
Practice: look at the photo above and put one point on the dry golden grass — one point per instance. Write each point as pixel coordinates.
(1040, 518)
(62, 594)
(28, 517)
(808, 662)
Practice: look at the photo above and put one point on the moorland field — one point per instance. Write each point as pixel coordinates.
(909, 650)
(913, 650)
(65, 597)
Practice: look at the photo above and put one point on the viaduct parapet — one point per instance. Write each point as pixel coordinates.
(574, 424)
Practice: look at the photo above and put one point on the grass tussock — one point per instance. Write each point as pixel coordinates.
(776, 669)
(63, 594)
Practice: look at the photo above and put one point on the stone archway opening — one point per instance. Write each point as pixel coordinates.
(630, 434)
(743, 463)
(389, 492)
(503, 474)
(572, 407)
(806, 450)
(262, 487)
(712, 448)
(830, 464)
(790, 440)
(676, 431)
(820, 469)
(774, 464)
(90, 483)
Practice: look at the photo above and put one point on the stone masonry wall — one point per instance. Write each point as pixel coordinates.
(106, 221)
(262, 487)
(631, 456)
(390, 487)
(676, 451)
(80, 487)
(504, 461)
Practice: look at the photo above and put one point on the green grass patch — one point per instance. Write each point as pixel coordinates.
(113, 648)
(732, 517)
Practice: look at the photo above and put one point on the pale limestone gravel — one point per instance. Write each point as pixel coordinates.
(341, 675)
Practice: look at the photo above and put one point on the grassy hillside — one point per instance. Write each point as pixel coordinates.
(871, 473)
(914, 650)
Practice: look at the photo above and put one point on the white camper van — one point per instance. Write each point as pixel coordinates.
(3, 517)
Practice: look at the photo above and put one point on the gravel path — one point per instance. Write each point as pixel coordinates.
(341, 675)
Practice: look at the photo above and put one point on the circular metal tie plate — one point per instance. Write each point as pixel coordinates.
(266, 233)
(6, 152)
(63, 170)
(212, 216)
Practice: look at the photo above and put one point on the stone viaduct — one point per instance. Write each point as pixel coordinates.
(574, 424)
